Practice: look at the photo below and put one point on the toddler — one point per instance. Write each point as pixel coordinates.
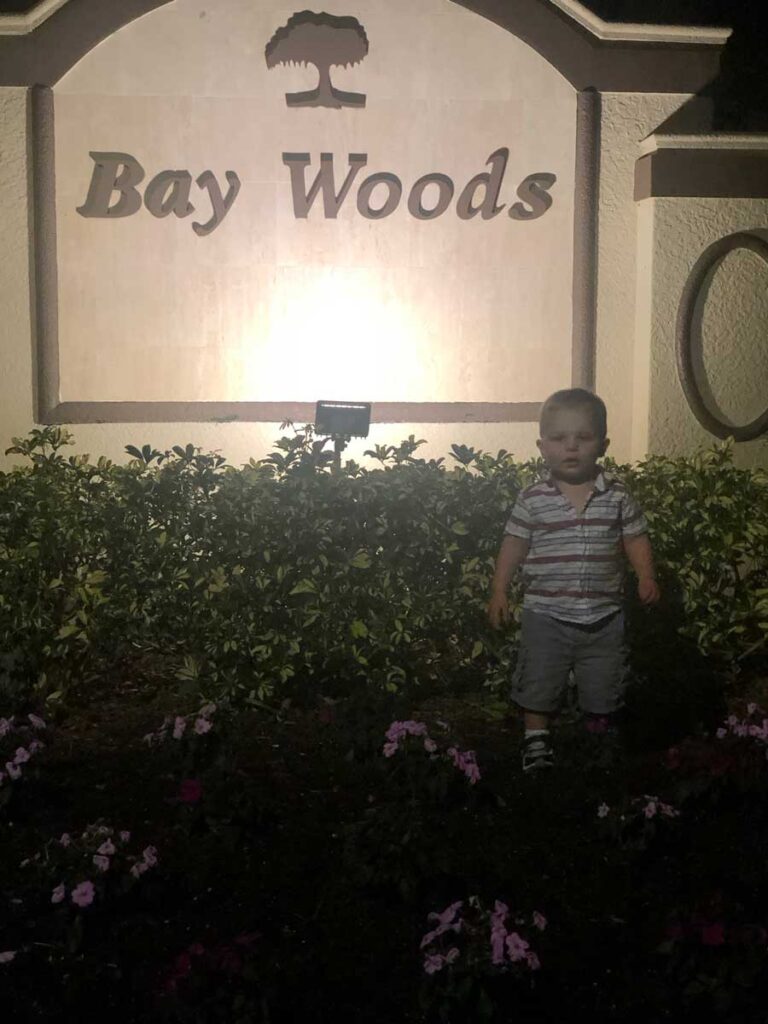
(570, 533)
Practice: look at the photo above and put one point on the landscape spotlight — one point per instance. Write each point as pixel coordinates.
(343, 419)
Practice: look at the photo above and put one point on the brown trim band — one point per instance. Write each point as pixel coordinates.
(695, 386)
(43, 246)
(585, 240)
(297, 412)
(703, 174)
(44, 55)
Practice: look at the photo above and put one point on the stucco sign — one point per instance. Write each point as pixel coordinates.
(400, 232)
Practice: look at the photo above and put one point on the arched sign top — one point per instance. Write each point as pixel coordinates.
(39, 47)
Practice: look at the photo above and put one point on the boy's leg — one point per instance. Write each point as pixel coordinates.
(601, 674)
(535, 720)
(539, 681)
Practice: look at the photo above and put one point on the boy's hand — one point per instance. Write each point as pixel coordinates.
(648, 590)
(498, 609)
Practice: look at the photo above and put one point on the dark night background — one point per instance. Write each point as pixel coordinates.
(740, 94)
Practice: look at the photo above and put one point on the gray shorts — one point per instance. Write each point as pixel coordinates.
(550, 648)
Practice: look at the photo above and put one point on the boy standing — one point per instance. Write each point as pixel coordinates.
(570, 533)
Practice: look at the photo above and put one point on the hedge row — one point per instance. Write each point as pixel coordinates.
(293, 576)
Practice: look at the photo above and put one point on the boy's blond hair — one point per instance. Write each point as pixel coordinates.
(577, 398)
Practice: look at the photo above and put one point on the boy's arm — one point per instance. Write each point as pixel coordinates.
(511, 556)
(640, 554)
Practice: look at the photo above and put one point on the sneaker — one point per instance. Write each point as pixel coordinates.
(537, 753)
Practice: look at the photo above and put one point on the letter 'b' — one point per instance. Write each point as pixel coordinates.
(114, 172)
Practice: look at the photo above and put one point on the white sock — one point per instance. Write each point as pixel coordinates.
(539, 734)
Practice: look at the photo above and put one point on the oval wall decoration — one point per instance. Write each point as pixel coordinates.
(703, 408)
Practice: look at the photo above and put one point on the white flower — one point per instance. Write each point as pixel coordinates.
(150, 856)
(603, 810)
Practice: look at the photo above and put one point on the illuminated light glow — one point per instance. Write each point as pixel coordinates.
(340, 337)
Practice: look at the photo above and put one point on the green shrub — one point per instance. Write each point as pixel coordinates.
(290, 577)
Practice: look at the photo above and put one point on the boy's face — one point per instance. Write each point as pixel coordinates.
(571, 445)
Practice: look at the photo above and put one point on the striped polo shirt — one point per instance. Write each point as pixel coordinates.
(574, 569)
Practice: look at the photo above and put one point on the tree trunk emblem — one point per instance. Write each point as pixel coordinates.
(325, 41)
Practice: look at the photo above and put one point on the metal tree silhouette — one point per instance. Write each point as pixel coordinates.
(325, 41)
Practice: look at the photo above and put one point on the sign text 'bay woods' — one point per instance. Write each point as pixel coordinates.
(116, 179)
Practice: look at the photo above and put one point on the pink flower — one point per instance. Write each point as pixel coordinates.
(539, 920)
(650, 809)
(415, 728)
(150, 856)
(34, 746)
(82, 894)
(202, 726)
(58, 893)
(36, 721)
(433, 963)
(452, 955)
(429, 745)
(13, 771)
(751, 709)
(448, 914)
(6, 724)
(533, 961)
(390, 748)
(125, 837)
(139, 868)
(498, 931)
(395, 732)
(207, 710)
(190, 791)
(179, 725)
(107, 848)
(445, 923)
(65, 840)
(712, 935)
(21, 756)
(517, 947)
(398, 730)
(102, 863)
(668, 811)
(465, 762)
(7, 956)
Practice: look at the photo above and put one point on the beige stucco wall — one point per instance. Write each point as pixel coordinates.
(674, 233)
(626, 119)
(646, 251)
